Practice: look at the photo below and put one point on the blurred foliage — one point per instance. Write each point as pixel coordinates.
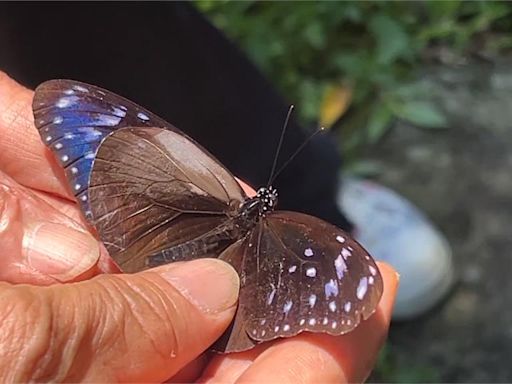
(359, 59)
(390, 369)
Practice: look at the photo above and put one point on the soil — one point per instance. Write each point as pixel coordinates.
(462, 178)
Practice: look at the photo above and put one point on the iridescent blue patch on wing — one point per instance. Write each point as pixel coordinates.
(73, 118)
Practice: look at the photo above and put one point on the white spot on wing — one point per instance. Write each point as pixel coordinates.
(66, 101)
(372, 269)
(80, 88)
(312, 300)
(362, 288)
(331, 288)
(292, 269)
(308, 252)
(119, 112)
(286, 327)
(311, 272)
(347, 306)
(271, 295)
(108, 120)
(287, 306)
(332, 306)
(312, 321)
(340, 266)
(340, 239)
(345, 253)
(58, 146)
(57, 120)
(142, 116)
(65, 158)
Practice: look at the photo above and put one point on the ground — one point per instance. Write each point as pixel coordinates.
(462, 178)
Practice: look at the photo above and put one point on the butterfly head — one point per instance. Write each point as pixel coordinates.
(267, 197)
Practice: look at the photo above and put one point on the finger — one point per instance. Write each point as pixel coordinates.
(313, 357)
(22, 154)
(191, 371)
(63, 205)
(40, 245)
(142, 327)
(246, 187)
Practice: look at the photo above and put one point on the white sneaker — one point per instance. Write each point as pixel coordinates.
(395, 231)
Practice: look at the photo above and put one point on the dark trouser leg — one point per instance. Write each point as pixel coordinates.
(168, 58)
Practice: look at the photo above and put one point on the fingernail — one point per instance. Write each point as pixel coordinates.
(59, 251)
(210, 284)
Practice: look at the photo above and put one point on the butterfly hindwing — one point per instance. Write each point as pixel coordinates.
(309, 276)
(153, 189)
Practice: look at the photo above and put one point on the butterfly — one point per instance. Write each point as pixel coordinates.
(155, 196)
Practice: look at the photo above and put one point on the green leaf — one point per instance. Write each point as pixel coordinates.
(392, 39)
(315, 35)
(421, 113)
(442, 9)
(379, 122)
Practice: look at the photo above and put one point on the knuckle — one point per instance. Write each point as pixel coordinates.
(11, 228)
(51, 332)
(138, 310)
(9, 207)
(4, 78)
(25, 341)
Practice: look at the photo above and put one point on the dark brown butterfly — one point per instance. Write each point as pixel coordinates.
(155, 196)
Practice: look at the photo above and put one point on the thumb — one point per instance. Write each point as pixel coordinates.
(141, 327)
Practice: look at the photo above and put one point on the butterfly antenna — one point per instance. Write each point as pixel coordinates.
(295, 154)
(276, 157)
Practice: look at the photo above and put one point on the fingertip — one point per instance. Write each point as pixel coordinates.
(390, 272)
(246, 187)
(391, 280)
(211, 285)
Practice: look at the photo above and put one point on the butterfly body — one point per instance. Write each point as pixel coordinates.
(155, 196)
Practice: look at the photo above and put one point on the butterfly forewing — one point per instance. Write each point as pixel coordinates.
(152, 190)
(307, 275)
(73, 118)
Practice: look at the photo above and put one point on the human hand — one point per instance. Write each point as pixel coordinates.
(142, 327)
